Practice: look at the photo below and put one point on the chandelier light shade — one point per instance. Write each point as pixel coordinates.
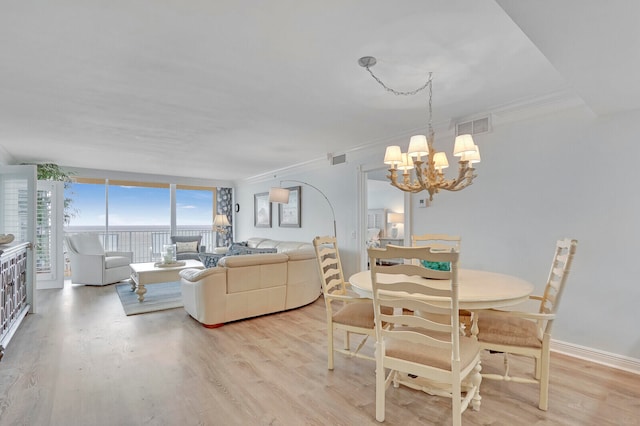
(421, 157)
(463, 144)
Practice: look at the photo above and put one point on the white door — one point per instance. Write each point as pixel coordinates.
(49, 255)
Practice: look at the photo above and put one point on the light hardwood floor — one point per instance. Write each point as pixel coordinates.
(81, 361)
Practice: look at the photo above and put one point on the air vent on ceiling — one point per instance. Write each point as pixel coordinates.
(474, 127)
(338, 159)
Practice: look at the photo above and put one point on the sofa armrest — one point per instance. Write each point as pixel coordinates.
(193, 275)
(204, 294)
(302, 254)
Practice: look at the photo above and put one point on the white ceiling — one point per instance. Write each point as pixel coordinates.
(232, 89)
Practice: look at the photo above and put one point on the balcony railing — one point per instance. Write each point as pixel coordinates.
(145, 242)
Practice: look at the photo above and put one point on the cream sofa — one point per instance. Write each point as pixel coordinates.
(250, 285)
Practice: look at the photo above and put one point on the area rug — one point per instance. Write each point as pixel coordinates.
(157, 298)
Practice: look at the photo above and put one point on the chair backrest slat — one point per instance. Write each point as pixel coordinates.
(437, 241)
(415, 294)
(560, 268)
(329, 264)
(420, 338)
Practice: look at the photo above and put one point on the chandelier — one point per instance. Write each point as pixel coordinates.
(427, 163)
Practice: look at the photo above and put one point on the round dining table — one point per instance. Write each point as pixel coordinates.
(476, 289)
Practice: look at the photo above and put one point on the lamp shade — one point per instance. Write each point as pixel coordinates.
(464, 143)
(393, 155)
(279, 195)
(395, 217)
(440, 161)
(221, 220)
(418, 146)
(407, 163)
(471, 157)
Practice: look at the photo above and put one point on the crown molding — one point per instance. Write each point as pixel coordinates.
(520, 110)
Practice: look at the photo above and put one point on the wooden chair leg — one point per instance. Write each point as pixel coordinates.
(330, 346)
(544, 381)
(380, 384)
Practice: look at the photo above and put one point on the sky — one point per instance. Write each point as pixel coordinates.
(138, 206)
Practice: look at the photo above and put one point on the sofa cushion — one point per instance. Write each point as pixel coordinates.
(280, 246)
(303, 254)
(252, 259)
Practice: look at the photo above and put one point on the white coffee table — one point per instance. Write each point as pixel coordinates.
(143, 274)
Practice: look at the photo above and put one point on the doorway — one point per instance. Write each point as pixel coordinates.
(383, 210)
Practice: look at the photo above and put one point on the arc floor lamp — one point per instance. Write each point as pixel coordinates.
(280, 195)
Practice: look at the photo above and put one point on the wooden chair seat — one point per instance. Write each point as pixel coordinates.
(501, 330)
(357, 315)
(429, 355)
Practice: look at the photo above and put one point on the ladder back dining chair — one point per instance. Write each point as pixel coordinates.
(443, 242)
(529, 333)
(425, 350)
(346, 310)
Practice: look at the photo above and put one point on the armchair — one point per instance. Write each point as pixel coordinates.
(91, 265)
(188, 246)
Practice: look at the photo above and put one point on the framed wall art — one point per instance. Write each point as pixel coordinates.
(261, 210)
(289, 214)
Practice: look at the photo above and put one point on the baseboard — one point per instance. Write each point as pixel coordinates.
(48, 285)
(609, 359)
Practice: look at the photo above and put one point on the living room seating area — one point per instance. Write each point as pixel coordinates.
(267, 276)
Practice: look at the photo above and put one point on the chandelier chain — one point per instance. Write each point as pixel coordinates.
(429, 175)
(396, 92)
(430, 107)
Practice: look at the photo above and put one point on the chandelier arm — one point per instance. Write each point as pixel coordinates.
(406, 186)
(465, 178)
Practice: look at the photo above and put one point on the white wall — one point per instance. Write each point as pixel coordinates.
(561, 175)
(337, 182)
(5, 158)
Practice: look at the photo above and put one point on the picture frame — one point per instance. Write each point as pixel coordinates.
(289, 214)
(261, 210)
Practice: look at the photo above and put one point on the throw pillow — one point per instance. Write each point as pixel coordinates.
(236, 245)
(438, 266)
(210, 260)
(190, 247)
(240, 250)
